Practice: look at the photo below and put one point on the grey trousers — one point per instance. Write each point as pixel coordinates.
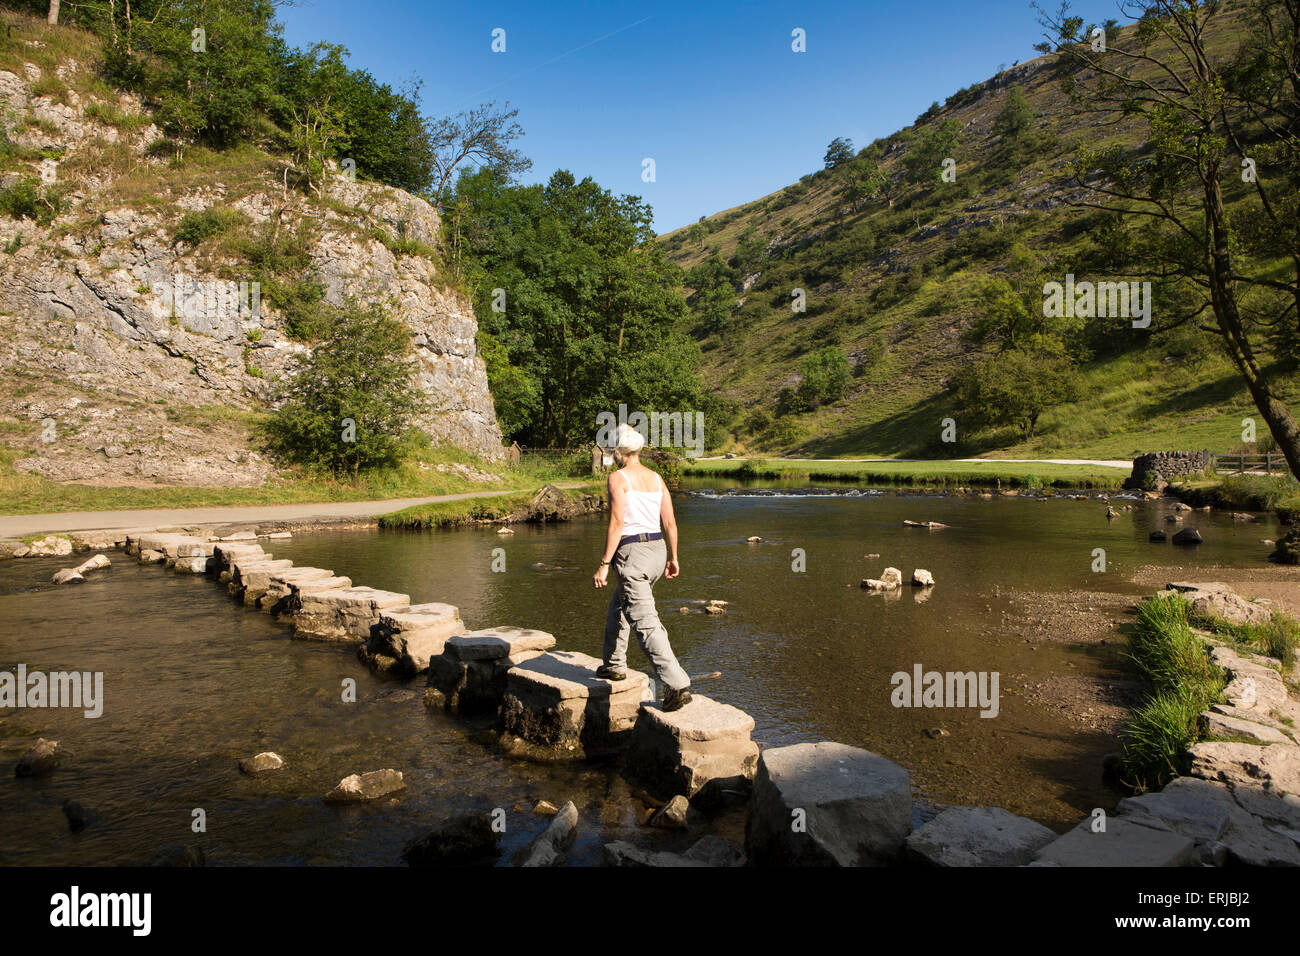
(639, 564)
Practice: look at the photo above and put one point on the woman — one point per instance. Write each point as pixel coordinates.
(638, 505)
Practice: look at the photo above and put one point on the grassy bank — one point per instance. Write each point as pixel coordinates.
(1279, 493)
(1176, 665)
(24, 494)
(450, 514)
(949, 474)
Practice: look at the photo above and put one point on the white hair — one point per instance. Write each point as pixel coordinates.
(628, 440)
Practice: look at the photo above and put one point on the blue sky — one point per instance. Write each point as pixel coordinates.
(711, 92)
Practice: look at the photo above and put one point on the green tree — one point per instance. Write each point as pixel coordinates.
(863, 178)
(1219, 104)
(1014, 388)
(937, 142)
(825, 377)
(839, 152)
(1016, 116)
(569, 280)
(353, 398)
(483, 135)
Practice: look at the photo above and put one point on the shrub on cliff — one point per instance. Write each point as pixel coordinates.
(353, 400)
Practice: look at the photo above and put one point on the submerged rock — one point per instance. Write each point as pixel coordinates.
(67, 576)
(1188, 536)
(672, 815)
(41, 760)
(465, 839)
(1158, 536)
(362, 788)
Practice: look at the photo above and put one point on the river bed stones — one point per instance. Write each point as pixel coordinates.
(827, 804)
(469, 676)
(406, 638)
(702, 752)
(550, 847)
(365, 787)
(1126, 841)
(341, 613)
(977, 836)
(555, 707)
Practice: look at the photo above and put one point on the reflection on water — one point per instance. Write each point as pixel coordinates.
(193, 681)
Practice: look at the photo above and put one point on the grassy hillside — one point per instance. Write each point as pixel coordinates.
(893, 280)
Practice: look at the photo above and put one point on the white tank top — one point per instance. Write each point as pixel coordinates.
(641, 510)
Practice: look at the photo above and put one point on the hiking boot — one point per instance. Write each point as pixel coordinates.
(676, 699)
(605, 672)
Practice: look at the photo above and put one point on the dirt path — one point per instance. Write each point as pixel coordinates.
(20, 525)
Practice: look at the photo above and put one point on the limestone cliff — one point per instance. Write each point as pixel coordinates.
(105, 380)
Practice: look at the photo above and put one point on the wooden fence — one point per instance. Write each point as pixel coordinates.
(1240, 463)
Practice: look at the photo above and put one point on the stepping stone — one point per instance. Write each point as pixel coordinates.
(405, 638)
(1124, 842)
(280, 585)
(699, 751)
(827, 804)
(556, 707)
(250, 577)
(469, 676)
(224, 554)
(341, 613)
(978, 836)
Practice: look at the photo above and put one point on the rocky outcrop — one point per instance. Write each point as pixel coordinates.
(119, 386)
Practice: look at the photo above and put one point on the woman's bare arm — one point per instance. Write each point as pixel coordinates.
(668, 520)
(617, 498)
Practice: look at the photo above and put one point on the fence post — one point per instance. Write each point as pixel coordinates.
(1268, 463)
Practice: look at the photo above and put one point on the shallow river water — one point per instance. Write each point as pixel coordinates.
(194, 681)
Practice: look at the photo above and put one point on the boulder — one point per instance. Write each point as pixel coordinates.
(1267, 767)
(262, 763)
(550, 846)
(978, 836)
(1124, 842)
(469, 676)
(52, 545)
(150, 556)
(672, 815)
(406, 638)
(702, 751)
(1158, 536)
(893, 578)
(342, 613)
(1229, 607)
(67, 576)
(97, 563)
(1188, 536)
(1287, 549)
(555, 706)
(463, 840)
(362, 788)
(921, 578)
(41, 760)
(827, 804)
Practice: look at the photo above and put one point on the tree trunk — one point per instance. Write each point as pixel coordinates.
(53, 17)
(1276, 415)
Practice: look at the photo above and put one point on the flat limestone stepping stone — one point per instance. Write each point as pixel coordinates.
(827, 804)
(701, 751)
(224, 554)
(280, 586)
(250, 577)
(469, 675)
(557, 707)
(406, 638)
(1124, 842)
(978, 836)
(340, 614)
